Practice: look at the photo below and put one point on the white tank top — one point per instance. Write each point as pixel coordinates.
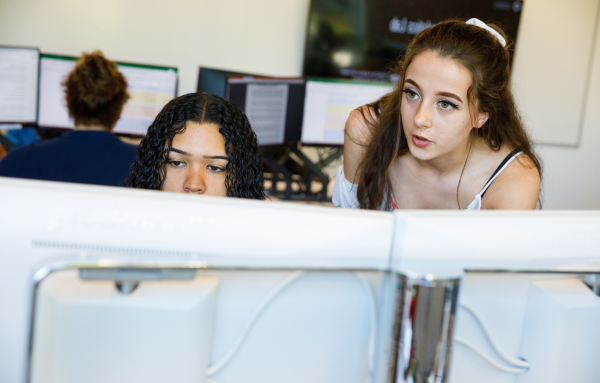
(344, 192)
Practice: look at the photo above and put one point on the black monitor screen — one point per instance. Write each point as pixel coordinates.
(363, 39)
(214, 81)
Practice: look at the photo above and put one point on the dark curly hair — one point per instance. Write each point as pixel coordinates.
(243, 178)
(95, 90)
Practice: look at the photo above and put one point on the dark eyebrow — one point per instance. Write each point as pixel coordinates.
(217, 158)
(412, 82)
(451, 95)
(180, 151)
(445, 94)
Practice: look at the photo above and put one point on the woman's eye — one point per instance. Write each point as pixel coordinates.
(176, 164)
(215, 168)
(447, 105)
(411, 94)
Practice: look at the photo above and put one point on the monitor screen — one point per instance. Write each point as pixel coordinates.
(273, 106)
(149, 88)
(329, 102)
(19, 74)
(214, 81)
(363, 39)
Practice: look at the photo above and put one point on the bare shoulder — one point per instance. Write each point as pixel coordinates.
(516, 188)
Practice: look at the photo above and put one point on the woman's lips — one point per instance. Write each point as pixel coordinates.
(419, 141)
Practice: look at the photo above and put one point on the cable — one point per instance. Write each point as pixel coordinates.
(507, 358)
(217, 366)
(476, 350)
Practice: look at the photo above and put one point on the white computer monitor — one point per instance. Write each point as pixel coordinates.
(19, 74)
(271, 321)
(150, 88)
(329, 102)
(283, 323)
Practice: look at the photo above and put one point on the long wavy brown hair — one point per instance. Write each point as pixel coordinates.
(489, 64)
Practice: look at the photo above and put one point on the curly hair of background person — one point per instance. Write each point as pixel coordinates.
(95, 91)
(244, 177)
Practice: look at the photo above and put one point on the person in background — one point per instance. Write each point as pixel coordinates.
(95, 94)
(449, 136)
(200, 144)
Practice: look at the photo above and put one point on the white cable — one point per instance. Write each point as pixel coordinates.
(373, 319)
(218, 365)
(475, 349)
(507, 358)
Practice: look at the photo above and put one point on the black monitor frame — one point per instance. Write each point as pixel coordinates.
(295, 104)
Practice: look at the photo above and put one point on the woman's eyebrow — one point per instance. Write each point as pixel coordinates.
(180, 151)
(412, 82)
(217, 158)
(445, 94)
(451, 95)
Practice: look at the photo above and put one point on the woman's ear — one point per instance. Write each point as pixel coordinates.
(482, 119)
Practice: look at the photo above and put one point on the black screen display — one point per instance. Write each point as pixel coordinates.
(363, 39)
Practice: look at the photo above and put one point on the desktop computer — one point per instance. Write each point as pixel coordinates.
(273, 106)
(329, 102)
(150, 88)
(104, 283)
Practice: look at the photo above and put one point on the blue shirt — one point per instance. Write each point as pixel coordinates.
(83, 156)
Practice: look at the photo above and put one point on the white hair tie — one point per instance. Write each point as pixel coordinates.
(483, 25)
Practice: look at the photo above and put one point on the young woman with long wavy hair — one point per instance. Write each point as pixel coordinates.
(449, 136)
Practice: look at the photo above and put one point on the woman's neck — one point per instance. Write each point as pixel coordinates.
(94, 127)
(447, 164)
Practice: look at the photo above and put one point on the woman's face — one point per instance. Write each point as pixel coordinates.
(435, 111)
(197, 161)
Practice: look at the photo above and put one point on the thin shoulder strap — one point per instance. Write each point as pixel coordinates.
(507, 160)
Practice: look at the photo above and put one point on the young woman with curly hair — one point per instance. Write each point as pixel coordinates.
(200, 144)
(447, 135)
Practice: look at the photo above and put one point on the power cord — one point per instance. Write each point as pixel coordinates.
(521, 365)
(218, 365)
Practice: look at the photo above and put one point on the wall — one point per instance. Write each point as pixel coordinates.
(260, 36)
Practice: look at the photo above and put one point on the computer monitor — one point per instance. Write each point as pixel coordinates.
(290, 305)
(274, 106)
(19, 75)
(150, 88)
(214, 81)
(272, 321)
(363, 39)
(329, 102)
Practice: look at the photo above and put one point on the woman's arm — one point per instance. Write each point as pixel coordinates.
(516, 188)
(357, 136)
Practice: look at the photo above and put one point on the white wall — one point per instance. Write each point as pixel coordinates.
(260, 36)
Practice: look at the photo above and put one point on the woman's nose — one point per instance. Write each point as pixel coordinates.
(423, 116)
(195, 183)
